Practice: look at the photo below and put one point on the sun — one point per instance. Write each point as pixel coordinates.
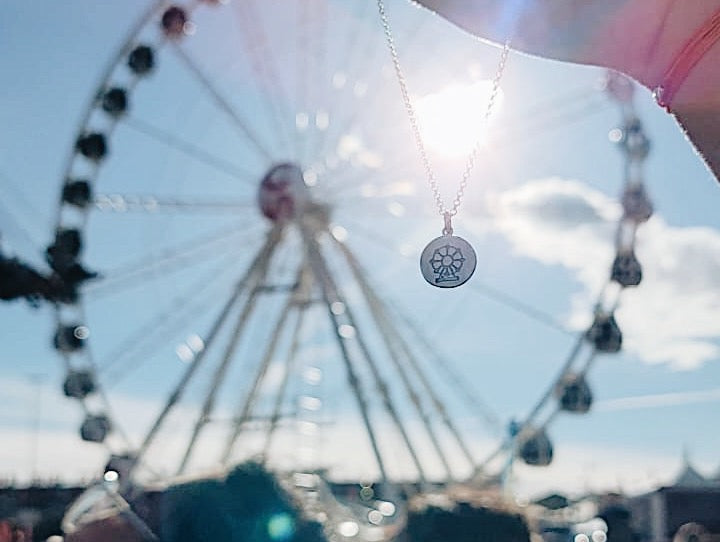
(452, 120)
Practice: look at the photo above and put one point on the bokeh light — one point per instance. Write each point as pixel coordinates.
(281, 527)
(348, 529)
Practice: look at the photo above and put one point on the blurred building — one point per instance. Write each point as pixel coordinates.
(686, 511)
(37, 510)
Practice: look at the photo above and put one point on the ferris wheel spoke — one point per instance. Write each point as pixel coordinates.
(238, 121)
(7, 185)
(531, 128)
(302, 116)
(511, 137)
(552, 120)
(14, 223)
(509, 443)
(551, 105)
(163, 326)
(373, 195)
(580, 105)
(326, 132)
(364, 163)
(262, 256)
(122, 203)
(521, 307)
(189, 149)
(388, 202)
(256, 278)
(491, 418)
(348, 98)
(245, 409)
(372, 185)
(374, 237)
(265, 65)
(352, 119)
(317, 75)
(348, 179)
(483, 289)
(170, 259)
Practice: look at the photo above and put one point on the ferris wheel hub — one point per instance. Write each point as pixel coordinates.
(283, 194)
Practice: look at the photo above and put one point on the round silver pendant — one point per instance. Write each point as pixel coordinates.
(448, 261)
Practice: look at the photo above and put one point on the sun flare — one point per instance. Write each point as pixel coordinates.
(452, 120)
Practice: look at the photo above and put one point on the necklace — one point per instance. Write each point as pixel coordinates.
(447, 261)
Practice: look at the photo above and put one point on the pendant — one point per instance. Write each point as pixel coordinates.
(448, 261)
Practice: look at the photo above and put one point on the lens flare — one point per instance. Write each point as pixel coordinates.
(452, 120)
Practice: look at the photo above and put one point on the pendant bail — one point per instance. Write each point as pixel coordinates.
(448, 229)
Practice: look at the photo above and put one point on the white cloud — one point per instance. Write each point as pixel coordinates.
(61, 455)
(22, 401)
(658, 400)
(560, 223)
(578, 469)
(344, 448)
(672, 316)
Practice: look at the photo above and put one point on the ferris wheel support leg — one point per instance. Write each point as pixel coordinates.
(395, 347)
(387, 399)
(432, 394)
(258, 273)
(383, 389)
(246, 408)
(264, 253)
(330, 296)
(289, 365)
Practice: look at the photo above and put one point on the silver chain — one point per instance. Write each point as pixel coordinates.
(472, 158)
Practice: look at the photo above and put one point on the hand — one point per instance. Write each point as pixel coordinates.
(636, 37)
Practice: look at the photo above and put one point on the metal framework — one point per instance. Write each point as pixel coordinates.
(378, 348)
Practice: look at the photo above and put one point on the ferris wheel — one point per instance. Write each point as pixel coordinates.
(235, 205)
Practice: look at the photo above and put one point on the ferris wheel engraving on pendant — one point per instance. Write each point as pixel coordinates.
(448, 261)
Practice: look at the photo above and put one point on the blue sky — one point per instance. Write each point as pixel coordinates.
(548, 143)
